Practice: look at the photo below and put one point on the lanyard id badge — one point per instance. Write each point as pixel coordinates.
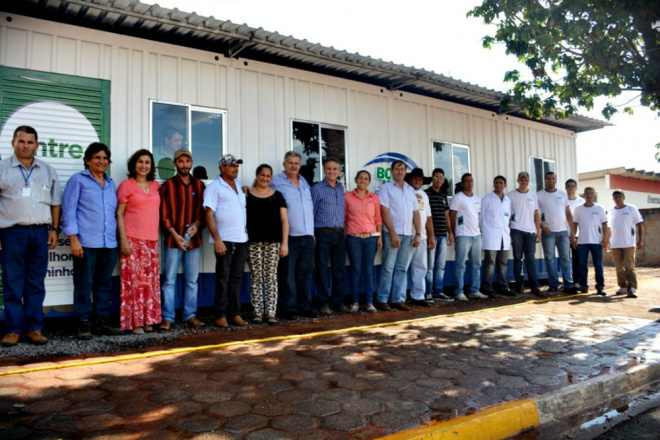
(27, 191)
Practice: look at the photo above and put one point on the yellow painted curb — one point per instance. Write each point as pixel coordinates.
(273, 339)
(494, 423)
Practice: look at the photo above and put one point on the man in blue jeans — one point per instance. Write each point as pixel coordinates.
(399, 209)
(182, 216)
(594, 235)
(26, 213)
(525, 233)
(556, 217)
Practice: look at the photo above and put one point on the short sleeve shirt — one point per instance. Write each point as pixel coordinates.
(552, 206)
(424, 210)
(623, 223)
(141, 217)
(467, 210)
(439, 207)
(264, 224)
(590, 220)
(229, 210)
(401, 203)
(523, 206)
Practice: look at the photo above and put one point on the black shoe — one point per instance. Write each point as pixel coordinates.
(309, 314)
(600, 292)
(84, 330)
(420, 302)
(536, 291)
(104, 327)
(584, 289)
(552, 289)
(507, 292)
(489, 293)
(520, 290)
(571, 291)
(442, 297)
(289, 316)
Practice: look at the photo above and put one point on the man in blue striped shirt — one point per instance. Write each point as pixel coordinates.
(328, 198)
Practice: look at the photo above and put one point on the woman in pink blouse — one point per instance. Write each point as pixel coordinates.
(363, 238)
(138, 202)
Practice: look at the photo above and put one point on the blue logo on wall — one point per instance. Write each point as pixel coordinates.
(391, 157)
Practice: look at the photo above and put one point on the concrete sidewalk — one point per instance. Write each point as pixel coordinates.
(482, 374)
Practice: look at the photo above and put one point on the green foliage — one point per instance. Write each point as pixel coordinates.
(577, 50)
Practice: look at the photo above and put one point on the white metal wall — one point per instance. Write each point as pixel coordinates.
(261, 99)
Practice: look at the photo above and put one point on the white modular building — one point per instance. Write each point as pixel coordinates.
(124, 72)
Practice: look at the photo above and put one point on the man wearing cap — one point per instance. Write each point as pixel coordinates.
(182, 217)
(226, 219)
(419, 255)
(30, 205)
(627, 226)
(402, 232)
(297, 270)
(328, 198)
(556, 216)
(525, 232)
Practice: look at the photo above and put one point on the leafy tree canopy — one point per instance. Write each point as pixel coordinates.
(577, 50)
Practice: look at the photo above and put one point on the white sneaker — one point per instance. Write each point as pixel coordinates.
(632, 293)
(354, 307)
(461, 297)
(371, 309)
(622, 292)
(477, 295)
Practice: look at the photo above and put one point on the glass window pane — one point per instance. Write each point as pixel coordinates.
(306, 142)
(536, 174)
(333, 145)
(168, 134)
(206, 141)
(442, 159)
(461, 162)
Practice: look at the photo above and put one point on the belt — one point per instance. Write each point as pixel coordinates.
(366, 235)
(332, 229)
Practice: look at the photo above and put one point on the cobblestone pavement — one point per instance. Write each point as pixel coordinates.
(354, 385)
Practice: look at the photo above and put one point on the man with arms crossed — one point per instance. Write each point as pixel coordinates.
(182, 216)
(496, 236)
(444, 237)
(627, 226)
(525, 232)
(402, 232)
(30, 204)
(556, 216)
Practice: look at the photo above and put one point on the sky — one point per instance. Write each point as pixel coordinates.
(435, 35)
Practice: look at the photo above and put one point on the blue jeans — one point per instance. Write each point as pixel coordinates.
(563, 243)
(436, 273)
(394, 269)
(524, 244)
(92, 276)
(24, 259)
(298, 271)
(172, 258)
(361, 253)
(468, 247)
(330, 248)
(597, 259)
(229, 269)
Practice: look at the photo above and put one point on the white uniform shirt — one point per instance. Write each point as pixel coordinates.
(467, 210)
(589, 220)
(572, 204)
(401, 203)
(523, 206)
(424, 210)
(623, 223)
(495, 216)
(552, 206)
(229, 208)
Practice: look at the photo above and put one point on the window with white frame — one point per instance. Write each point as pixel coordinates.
(538, 167)
(200, 129)
(454, 159)
(316, 142)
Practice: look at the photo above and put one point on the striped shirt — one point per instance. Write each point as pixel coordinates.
(26, 195)
(328, 205)
(181, 205)
(439, 207)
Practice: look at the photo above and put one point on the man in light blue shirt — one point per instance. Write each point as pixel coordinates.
(399, 209)
(328, 198)
(296, 270)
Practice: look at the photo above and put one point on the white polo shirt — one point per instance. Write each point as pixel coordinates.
(229, 208)
(495, 215)
(523, 206)
(401, 203)
(552, 206)
(467, 210)
(623, 223)
(590, 221)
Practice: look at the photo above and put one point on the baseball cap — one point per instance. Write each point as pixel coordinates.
(229, 159)
(180, 152)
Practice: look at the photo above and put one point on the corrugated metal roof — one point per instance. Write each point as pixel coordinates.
(622, 171)
(131, 17)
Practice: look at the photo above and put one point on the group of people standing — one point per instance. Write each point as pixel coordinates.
(285, 230)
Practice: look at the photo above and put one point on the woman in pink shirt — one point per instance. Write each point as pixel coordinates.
(138, 202)
(363, 238)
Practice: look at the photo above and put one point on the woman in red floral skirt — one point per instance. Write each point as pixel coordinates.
(138, 202)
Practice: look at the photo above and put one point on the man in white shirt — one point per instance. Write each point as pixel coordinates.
(591, 221)
(464, 214)
(556, 216)
(627, 226)
(401, 232)
(226, 219)
(496, 237)
(419, 255)
(573, 202)
(525, 233)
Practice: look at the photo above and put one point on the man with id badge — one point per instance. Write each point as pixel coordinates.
(30, 208)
